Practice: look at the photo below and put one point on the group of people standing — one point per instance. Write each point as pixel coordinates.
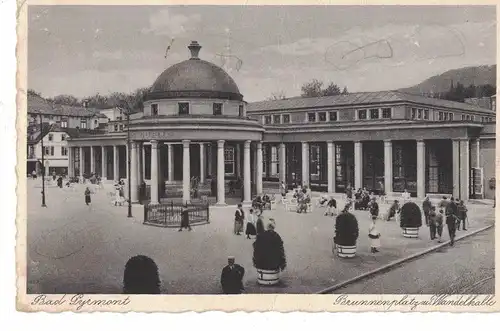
(452, 212)
(254, 222)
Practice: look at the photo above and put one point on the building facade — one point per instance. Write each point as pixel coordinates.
(195, 123)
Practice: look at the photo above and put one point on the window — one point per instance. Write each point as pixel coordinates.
(362, 114)
(286, 118)
(333, 116)
(445, 116)
(322, 116)
(183, 108)
(472, 118)
(63, 137)
(440, 117)
(468, 117)
(229, 161)
(116, 127)
(154, 110)
(426, 114)
(64, 151)
(451, 116)
(276, 119)
(121, 127)
(386, 112)
(413, 113)
(311, 117)
(267, 119)
(46, 150)
(241, 111)
(274, 162)
(463, 117)
(83, 124)
(420, 114)
(95, 122)
(374, 114)
(265, 162)
(217, 108)
(64, 123)
(52, 150)
(118, 118)
(51, 137)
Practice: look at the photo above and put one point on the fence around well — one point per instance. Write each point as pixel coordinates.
(169, 214)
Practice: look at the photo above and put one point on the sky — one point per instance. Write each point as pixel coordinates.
(83, 50)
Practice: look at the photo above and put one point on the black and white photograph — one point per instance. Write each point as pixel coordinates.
(236, 150)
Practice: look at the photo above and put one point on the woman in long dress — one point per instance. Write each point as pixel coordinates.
(250, 230)
(239, 217)
(259, 226)
(87, 196)
(374, 235)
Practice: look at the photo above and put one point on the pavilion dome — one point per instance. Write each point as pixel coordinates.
(194, 78)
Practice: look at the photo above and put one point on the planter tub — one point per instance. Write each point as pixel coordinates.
(410, 232)
(346, 251)
(268, 277)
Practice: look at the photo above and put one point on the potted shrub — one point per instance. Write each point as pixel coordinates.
(269, 257)
(410, 219)
(346, 234)
(141, 276)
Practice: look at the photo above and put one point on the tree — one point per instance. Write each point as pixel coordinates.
(331, 89)
(279, 95)
(344, 91)
(312, 89)
(34, 93)
(65, 99)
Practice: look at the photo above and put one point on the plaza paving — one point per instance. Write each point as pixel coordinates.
(74, 248)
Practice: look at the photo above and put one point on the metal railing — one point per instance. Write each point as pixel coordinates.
(169, 215)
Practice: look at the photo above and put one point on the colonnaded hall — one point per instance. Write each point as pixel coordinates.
(196, 123)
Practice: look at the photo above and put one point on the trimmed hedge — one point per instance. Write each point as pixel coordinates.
(411, 216)
(141, 276)
(346, 229)
(269, 252)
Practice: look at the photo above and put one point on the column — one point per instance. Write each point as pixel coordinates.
(126, 161)
(456, 168)
(209, 161)
(202, 163)
(71, 162)
(221, 200)
(330, 168)
(420, 169)
(238, 159)
(186, 172)
(116, 160)
(282, 159)
(143, 168)
(140, 164)
(170, 162)
(464, 169)
(133, 173)
(305, 163)
(104, 163)
(81, 164)
(247, 189)
(260, 169)
(478, 154)
(358, 164)
(92, 160)
(154, 172)
(388, 171)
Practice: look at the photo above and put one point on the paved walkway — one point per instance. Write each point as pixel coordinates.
(79, 249)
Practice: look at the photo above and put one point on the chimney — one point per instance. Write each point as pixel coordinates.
(194, 47)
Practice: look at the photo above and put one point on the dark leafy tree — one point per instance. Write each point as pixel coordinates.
(346, 229)
(313, 88)
(269, 252)
(411, 216)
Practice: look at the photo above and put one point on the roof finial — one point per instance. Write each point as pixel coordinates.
(194, 47)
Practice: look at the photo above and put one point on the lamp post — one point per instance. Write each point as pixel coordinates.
(43, 160)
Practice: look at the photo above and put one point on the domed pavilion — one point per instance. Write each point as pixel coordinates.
(193, 124)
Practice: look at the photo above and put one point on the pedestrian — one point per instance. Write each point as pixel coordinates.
(231, 277)
(426, 207)
(60, 182)
(87, 196)
(374, 235)
(437, 217)
(250, 230)
(239, 217)
(331, 207)
(462, 215)
(451, 220)
(283, 189)
(443, 204)
(259, 227)
(374, 208)
(185, 219)
(393, 210)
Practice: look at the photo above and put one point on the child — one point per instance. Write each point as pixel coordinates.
(374, 235)
(331, 207)
(87, 196)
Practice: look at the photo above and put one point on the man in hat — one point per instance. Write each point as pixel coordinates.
(232, 277)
